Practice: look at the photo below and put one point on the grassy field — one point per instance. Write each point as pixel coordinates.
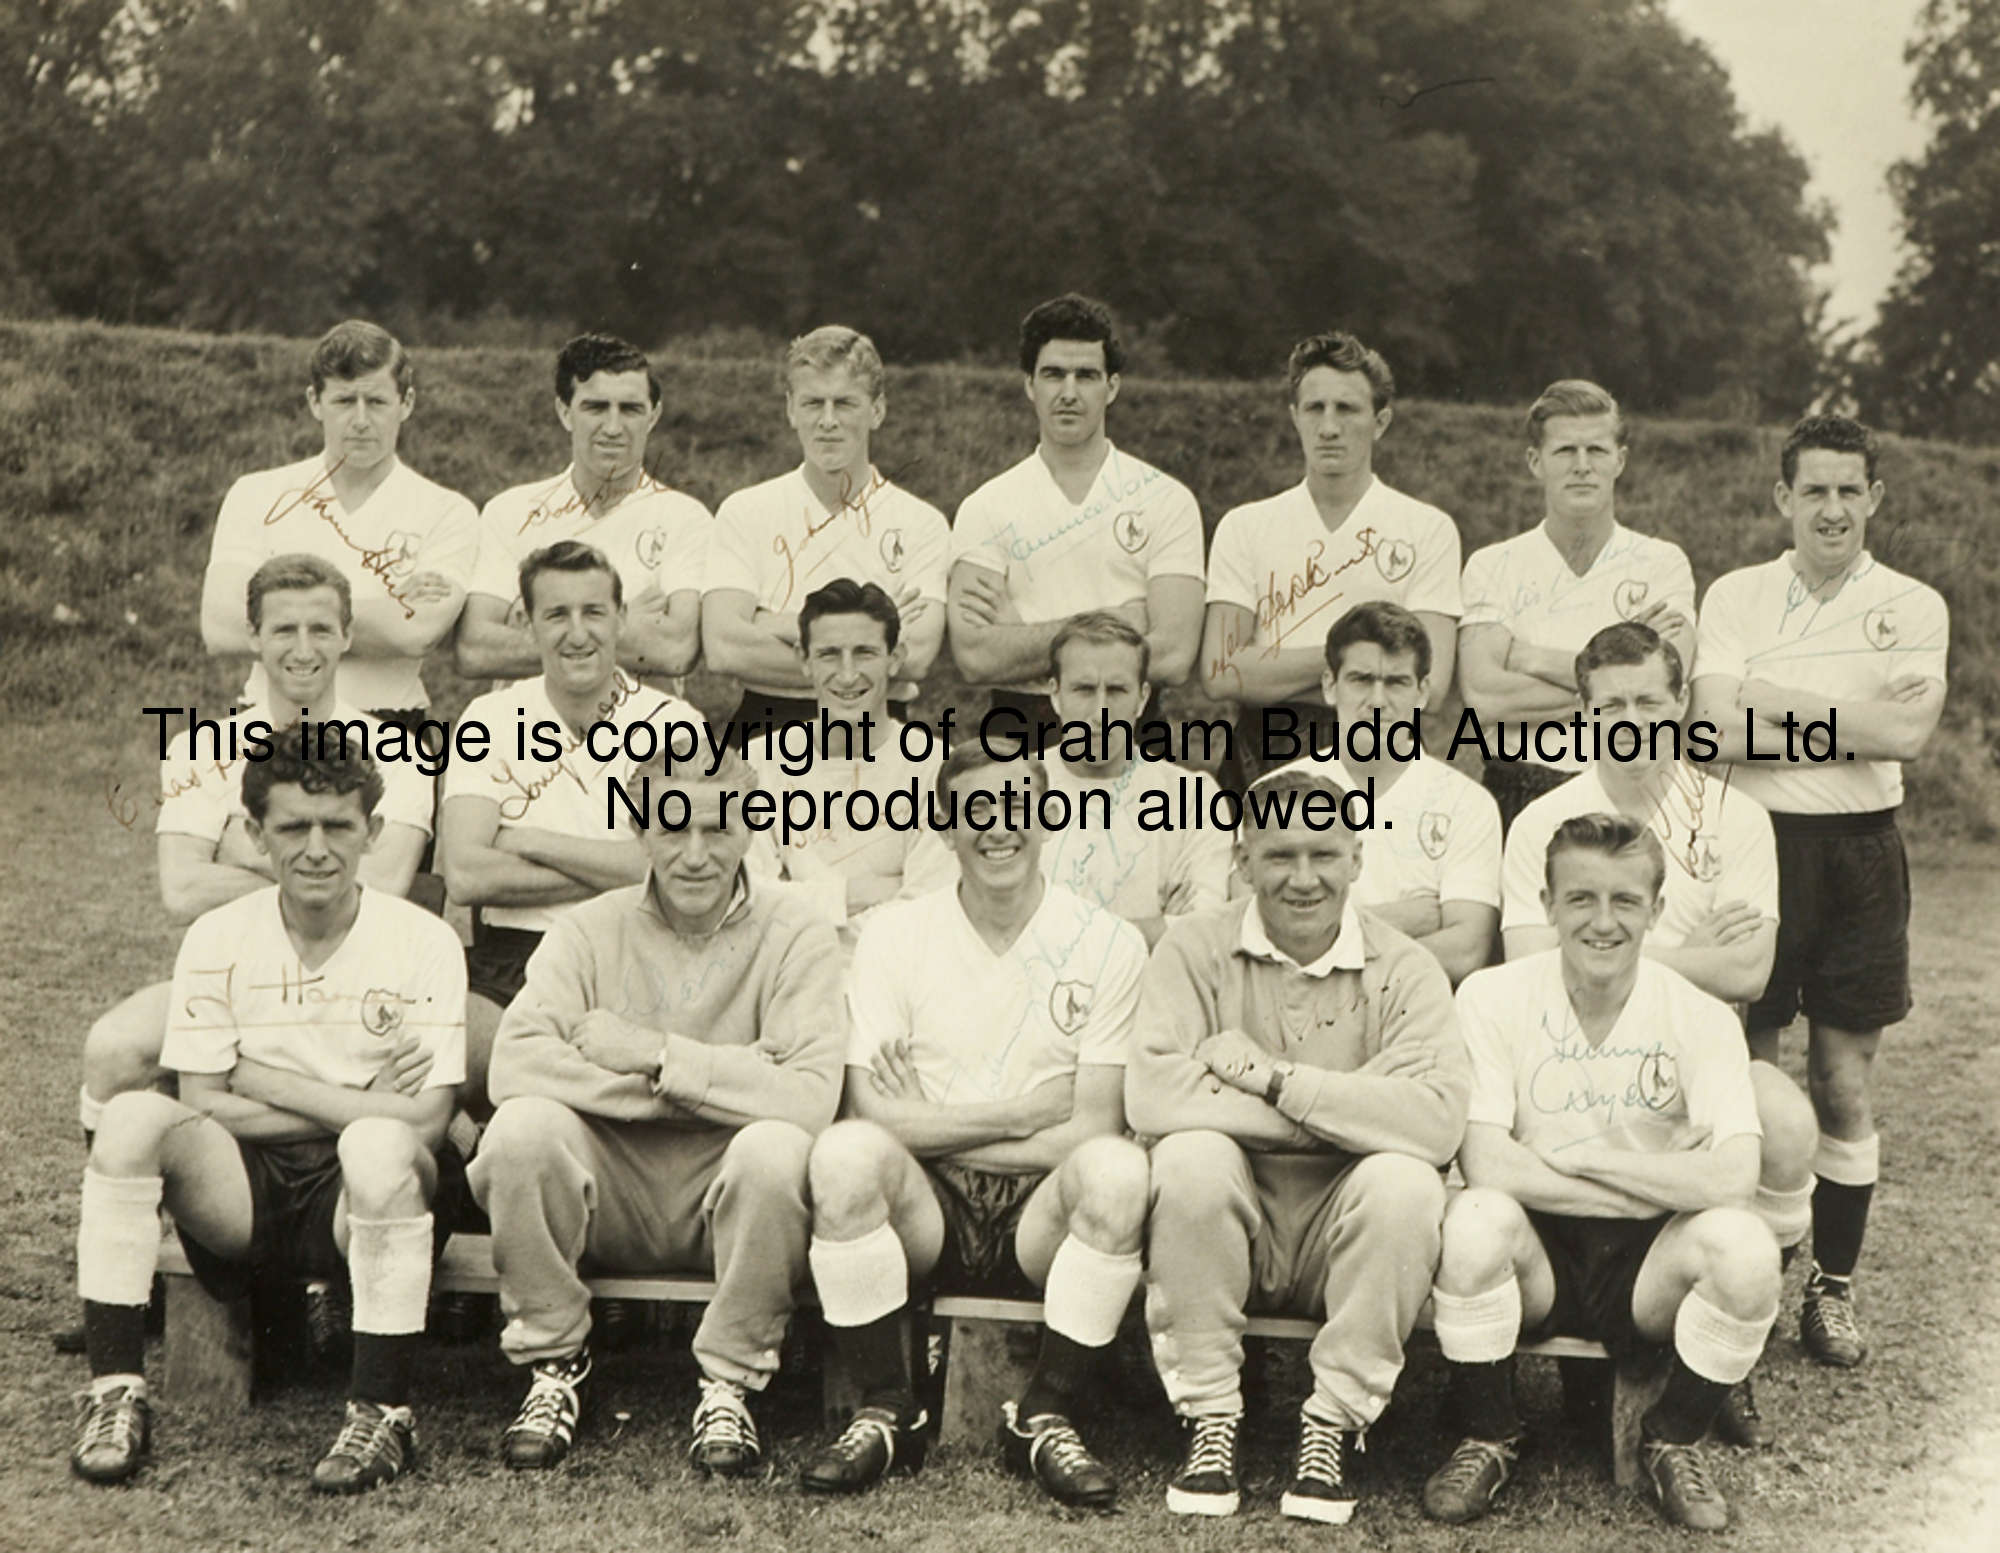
(1897, 1455)
(116, 446)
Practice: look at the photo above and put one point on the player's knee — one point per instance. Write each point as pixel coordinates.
(131, 1135)
(1481, 1228)
(119, 1056)
(1398, 1191)
(378, 1165)
(768, 1157)
(847, 1174)
(526, 1134)
(1791, 1130)
(1739, 1258)
(1107, 1183)
(1193, 1173)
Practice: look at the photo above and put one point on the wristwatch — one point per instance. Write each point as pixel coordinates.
(1280, 1071)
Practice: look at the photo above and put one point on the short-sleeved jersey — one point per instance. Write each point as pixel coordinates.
(1059, 557)
(1277, 559)
(1524, 584)
(778, 542)
(986, 1026)
(821, 862)
(1131, 872)
(570, 790)
(1762, 623)
(656, 537)
(408, 525)
(200, 797)
(1717, 839)
(241, 991)
(1671, 1075)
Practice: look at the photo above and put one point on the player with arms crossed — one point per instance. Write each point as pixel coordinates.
(306, 1137)
(1610, 1157)
(1100, 664)
(1077, 525)
(1299, 1061)
(524, 840)
(659, 1079)
(1718, 924)
(405, 545)
(1533, 600)
(608, 400)
(983, 1145)
(850, 641)
(300, 622)
(1341, 537)
(835, 516)
(1431, 867)
(1828, 633)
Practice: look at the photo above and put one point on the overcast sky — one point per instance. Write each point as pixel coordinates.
(1830, 73)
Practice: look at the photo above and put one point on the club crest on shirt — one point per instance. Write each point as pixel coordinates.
(650, 546)
(1879, 626)
(1395, 560)
(890, 545)
(399, 551)
(382, 1012)
(1434, 833)
(1630, 597)
(1659, 1081)
(1130, 532)
(1706, 857)
(1069, 1005)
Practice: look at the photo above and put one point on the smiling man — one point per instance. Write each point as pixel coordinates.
(850, 642)
(1532, 601)
(1826, 633)
(309, 1133)
(405, 545)
(835, 516)
(608, 401)
(525, 838)
(1282, 568)
(675, 1046)
(1300, 1064)
(1610, 1156)
(982, 1147)
(1077, 525)
(1431, 866)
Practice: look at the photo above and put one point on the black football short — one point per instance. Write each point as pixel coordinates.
(1843, 923)
(1596, 1264)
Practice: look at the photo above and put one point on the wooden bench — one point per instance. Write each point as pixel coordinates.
(210, 1346)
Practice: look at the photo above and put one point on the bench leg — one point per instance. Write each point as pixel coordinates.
(209, 1348)
(1635, 1386)
(986, 1364)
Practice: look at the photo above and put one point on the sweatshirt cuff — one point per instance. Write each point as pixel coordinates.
(1300, 1095)
(687, 1068)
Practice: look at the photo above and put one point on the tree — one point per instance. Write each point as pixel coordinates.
(1933, 363)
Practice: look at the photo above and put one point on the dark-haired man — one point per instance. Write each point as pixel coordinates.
(1532, 601)
(299, 1140)
(1300, 1064)
(524, 839)
(405, 545)
(983, 1142)
(1828, 635)
(834, 517)
(608, 400)
(1610, 1155)
(1077, 525)
(1281, 568)
(850, 643)
(1431, 866)
(660, 1075)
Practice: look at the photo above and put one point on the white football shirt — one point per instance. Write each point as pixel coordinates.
(655, 537)
(1131, 872)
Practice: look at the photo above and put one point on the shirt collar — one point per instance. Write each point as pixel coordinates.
(1347, 952)
(739, 903)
